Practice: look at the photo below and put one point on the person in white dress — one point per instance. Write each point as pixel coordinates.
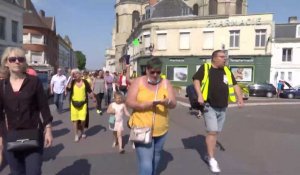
(117, 109)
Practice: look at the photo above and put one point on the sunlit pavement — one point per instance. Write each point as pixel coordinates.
(258, 140)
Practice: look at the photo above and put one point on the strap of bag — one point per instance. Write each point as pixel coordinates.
(154, 112)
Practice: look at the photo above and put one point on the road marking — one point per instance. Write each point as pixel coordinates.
(249, 104)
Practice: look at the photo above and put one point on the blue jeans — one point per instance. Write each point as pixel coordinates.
(149, 155)
(25, 163)
(109, 94)
(58, 101)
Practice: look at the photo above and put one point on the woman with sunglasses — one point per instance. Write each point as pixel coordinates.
(150, 96)
(23, 99)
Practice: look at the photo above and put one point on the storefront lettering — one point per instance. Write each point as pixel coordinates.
(229, 23)
(176, 59)
(240, 60)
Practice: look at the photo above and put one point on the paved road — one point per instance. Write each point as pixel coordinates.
(258, 140)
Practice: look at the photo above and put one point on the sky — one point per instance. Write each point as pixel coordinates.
(89, 23)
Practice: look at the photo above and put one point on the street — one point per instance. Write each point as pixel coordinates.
(262, 139)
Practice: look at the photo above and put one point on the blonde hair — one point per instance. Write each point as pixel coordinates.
(17, 51)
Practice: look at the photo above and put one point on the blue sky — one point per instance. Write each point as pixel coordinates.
(89, 23)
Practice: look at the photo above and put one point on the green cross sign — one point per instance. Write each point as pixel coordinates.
(136, 42)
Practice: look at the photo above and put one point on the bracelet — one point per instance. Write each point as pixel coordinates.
(48, 126)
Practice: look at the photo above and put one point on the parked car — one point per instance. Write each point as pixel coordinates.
(262, 90)
(245, 90)
(290, 92)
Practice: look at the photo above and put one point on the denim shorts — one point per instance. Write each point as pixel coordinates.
(214, 118)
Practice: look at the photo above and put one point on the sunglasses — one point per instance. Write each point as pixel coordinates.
(14, 59)
(153, 72)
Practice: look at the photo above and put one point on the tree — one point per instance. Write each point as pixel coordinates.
(81, 60)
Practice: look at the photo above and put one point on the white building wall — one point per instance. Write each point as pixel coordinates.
(278, 67)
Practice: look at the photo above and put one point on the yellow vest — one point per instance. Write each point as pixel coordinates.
(205, 83)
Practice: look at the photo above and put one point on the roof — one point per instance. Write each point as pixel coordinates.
(171, 8)
(33, 19)
(286, 30)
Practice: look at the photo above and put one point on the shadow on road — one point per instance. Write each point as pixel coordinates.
(56, 123)
(94, 130)
(81, 166)
(60, 132)
(198, 143)
(166, 158)
(52, 152)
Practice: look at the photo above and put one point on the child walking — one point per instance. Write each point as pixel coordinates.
(117, 109)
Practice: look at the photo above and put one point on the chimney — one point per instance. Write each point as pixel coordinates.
(42, 13)
(152, 2)
(293, 19)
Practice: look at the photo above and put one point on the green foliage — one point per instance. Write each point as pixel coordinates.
(81, 60)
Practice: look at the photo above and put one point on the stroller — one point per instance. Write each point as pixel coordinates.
(193, 98)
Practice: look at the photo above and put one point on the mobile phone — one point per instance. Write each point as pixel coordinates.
(156, 102)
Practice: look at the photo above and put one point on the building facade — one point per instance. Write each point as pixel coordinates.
(39, 38)
(110, 61)
(11, 24)
(65, 53)
(184, 41)
(285, 63)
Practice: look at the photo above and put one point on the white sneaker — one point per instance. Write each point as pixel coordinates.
(76, 139)
(214, 166)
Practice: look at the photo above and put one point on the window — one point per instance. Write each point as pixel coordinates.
(260, 37)
(282, 75)
(234, 38)
(286, 54)
(26, 38)
(161, 41)
(177, 73)
(148, 13)
(213, 7)
(135, 19)
(184, 40)
(147, 40)
(37, 39)
(298, 31)
(117, 23)
(208, 40)
(14, 33)
(239, 6)
(37, 58)
(2, 28)
(196, 9)
(290, 78)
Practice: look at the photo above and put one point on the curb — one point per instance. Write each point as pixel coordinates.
(249, 104)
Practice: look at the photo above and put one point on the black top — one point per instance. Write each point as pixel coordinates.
(218, 88)
(23, 108)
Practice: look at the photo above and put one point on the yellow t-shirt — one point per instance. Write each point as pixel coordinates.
(144, 118)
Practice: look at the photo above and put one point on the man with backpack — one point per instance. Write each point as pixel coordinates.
(215, 86)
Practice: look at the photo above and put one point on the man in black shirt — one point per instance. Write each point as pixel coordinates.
(220, 84)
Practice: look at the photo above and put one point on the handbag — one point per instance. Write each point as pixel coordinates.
(143, 134)
(111, 122)
(23, 140)
(78, 104)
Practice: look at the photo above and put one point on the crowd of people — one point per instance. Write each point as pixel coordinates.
(149, 97)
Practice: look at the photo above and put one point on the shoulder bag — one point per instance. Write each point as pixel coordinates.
(143, 134)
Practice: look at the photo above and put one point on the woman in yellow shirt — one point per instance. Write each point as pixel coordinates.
(150, 96)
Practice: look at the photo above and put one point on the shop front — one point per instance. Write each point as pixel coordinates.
(180, 70)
